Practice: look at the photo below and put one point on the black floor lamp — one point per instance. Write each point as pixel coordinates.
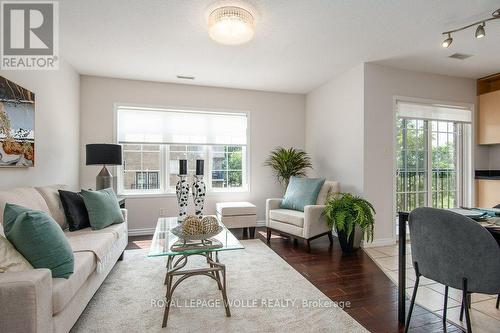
(104, 154)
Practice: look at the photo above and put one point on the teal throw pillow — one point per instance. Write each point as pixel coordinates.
(39, 239)
(103, 208)
(302, 192)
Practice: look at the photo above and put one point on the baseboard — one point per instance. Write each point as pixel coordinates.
(261, 223)
(141, 232)
(379, 242)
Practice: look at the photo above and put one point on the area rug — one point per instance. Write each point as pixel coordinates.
(266, 294)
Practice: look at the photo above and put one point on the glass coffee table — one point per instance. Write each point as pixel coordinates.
(163, 240)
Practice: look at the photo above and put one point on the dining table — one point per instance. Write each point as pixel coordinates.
(477, 214)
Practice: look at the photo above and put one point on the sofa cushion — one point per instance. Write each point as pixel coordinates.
(10, 259)
(301, 192)
(289, 216)
(23, 196)
(75, 210)
(51, 196)
(39, 239)
(63, 290)
(103, 208)
(236, 208)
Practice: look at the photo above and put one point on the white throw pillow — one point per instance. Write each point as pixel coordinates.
(10, 259)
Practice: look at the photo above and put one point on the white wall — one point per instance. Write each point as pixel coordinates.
(56, 128)
(334, 129)
(381, 85)
(350, 124)
(277, 119)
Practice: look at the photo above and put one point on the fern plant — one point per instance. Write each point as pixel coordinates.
(287, 163)
(344, 211)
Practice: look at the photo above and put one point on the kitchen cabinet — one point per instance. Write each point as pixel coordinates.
(488, 110)
(487, 192)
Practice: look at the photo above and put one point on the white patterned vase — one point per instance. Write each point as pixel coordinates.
(199, 191)
(182, 191)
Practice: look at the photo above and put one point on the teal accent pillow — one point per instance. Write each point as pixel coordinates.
(103, 208)
(39, 239)
(301, 192)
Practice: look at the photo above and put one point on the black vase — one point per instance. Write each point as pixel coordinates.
(347, 244)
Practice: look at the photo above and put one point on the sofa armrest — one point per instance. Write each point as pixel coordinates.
(124, 213)
(26, 301)
(314, 221)
(273, 203)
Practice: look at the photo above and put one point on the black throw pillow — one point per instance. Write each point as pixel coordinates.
(75, 210)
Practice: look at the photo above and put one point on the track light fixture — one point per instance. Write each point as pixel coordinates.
(447, 42)
(480, 31)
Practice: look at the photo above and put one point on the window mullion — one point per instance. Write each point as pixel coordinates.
(165, 168)
(428, 127)
(208, 153)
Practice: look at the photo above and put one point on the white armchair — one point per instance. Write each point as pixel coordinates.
(307, 225)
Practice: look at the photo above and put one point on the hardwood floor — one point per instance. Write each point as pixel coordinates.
(353, 278)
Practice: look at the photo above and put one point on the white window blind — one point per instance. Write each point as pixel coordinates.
(438, 112)
(138, 125)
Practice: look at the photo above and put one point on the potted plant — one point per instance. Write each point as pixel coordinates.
(352, 217)
(287, 163)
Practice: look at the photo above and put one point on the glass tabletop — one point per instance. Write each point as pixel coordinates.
(163, 239)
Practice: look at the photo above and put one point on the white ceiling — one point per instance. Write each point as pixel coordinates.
(299, 44)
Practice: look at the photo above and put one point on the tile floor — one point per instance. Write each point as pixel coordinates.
(484, 316)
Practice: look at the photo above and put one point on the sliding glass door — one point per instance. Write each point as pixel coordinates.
(432, 157)
(412, 173)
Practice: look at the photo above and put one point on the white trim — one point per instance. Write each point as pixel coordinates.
(378, 242)
(141, 232)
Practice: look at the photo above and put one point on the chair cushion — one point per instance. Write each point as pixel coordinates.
(103, 208)
(301, 192)
(63, 290)
(23, 196)
(75, 210)
(10, 259)
(289, 216)
(51, 196)
(236, 208)
(39, 239)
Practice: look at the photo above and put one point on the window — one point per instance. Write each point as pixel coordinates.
(154, 140)
(141, 167)
(227, 166)
(432, 156)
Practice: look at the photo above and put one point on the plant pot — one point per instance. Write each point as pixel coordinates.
(353, 243)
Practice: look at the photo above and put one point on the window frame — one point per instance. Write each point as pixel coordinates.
(165, 188)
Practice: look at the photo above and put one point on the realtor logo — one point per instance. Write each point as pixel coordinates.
(29, 35)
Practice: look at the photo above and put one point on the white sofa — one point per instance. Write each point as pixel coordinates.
(32, 301)
(307, 225)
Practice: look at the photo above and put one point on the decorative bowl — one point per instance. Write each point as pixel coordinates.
(193, 228)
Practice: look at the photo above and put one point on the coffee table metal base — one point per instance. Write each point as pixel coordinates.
(214, 271)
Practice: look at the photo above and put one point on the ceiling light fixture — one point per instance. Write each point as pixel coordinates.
(447, 42)
(231, 25)
(480, 31)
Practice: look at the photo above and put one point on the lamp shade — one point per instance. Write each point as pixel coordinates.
(102, 153)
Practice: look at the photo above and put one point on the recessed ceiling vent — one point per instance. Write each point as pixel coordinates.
(185, 77)
(460, 56)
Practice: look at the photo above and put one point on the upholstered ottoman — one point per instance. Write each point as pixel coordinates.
(238, 215)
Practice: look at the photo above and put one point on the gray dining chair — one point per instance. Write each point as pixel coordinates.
(455, 251)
